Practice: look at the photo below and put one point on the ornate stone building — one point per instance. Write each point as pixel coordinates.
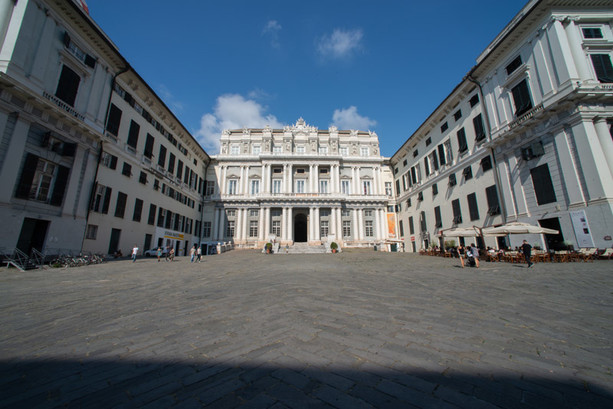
(301, 184)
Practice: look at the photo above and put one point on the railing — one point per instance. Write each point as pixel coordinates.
(528, 115)
(63, 105)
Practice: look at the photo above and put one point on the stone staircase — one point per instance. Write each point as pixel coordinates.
(303, 248)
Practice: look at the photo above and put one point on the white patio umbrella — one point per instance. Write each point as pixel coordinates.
(460, 232)
(517, 228)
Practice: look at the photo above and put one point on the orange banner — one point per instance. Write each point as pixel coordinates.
(391, 225)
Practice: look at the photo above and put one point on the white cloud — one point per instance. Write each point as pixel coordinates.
(340, 43)
(350, 119)
(271, 29)
(232, 111)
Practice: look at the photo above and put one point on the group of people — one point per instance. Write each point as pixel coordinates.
(195, 253)
(170, 254)
(471, 253)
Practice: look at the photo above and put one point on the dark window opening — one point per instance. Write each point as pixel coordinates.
(68, 86)
(513, 65)
(602, 66)
(521, 98)
(543, 186)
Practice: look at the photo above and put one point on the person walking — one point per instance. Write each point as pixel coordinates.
(199, 253)
(171, 255)
(159, 253)
(134, 253)
(461, 250)
(192, 254)
(475, 252)
(526, 248)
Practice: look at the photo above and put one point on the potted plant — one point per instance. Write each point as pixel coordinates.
(268, 248)
(333, 247)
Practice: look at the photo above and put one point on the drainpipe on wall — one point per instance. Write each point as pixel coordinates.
(106, 119)
(503, 209)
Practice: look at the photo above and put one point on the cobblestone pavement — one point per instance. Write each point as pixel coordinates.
(352, 330)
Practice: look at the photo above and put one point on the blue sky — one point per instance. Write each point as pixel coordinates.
(369, 65)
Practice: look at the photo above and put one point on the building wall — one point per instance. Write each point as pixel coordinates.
(272, 179)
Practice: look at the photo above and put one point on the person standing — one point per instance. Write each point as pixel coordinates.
(461, 250)
(134, 253)
(526, 248)
(159, 253)
(199, 253)
(167, 253)
(192, 254)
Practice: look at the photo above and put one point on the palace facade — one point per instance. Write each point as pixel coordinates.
(301, 184)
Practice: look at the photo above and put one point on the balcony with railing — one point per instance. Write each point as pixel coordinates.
(64, 106)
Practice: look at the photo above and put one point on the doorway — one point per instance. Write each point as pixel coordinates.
(554, 241)
(33, 235)
(114, 242)
(300, 228)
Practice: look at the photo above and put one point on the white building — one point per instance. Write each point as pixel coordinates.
(301, 184)
(544, 89)
(79, 130)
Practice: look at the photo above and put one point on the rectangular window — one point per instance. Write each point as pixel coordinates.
(275, 227)
(346, 228)
(102, 199)
(486, 163)
(256, 149)
(108, 160)
(369, 231)
(367, 213)
(235, 149)
(180, 169)
(300, 149)
(513, 65)
(151, 218)
(210, 188)
(277, 149)
(428, 141)
(473, 209)
(452, 180)
(434, 189)
(366, 187)
(206, 229)
(149, 141)
(323, 186)
(171, 163)
(323, 228)
(232, 186)
(521, 98)
(401, 228)
(457, 211)
(276, 186)
(133, 135)
(230, 228)
(493, 206)
(114, 120)
(479, 128)
(344, 151)
(127, 169)
(591, 32)
(92, 232)
(457, 115)
(474, 100)
(68, 86)
(345, 187)
(255, 187)
(602, 67)
(444, 127)
(427, 166)
(388, 189)
(138, 209)
(438, 222)
(323, 150)
(120, 207)
(468, 173)
(411, 226)
(300, 186)
(364, 151)
(253, 228)
(162, 156)
(462, 145)
(543, 186)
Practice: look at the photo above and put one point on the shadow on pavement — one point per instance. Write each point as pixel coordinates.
(107, 384)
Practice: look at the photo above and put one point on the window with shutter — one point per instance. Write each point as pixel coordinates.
(521, 98)
(68, 86)
(602, 67)
(473, 209)
(543, 186)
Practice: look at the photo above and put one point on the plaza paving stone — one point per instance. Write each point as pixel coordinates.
(359, 329)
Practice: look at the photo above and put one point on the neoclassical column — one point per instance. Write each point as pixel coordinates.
(290, 224)
(262, 226)
(311, 224)
(360, 223)
(241, 182)
(332, 224)
(215, 226)
(317, 225)
(576, 48)
(377, 225)
(606, 141)
(222, 182)
(375, 181)
(238, 224)
(316, 179)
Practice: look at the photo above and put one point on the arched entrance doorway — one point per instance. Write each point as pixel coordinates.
(300, 228)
